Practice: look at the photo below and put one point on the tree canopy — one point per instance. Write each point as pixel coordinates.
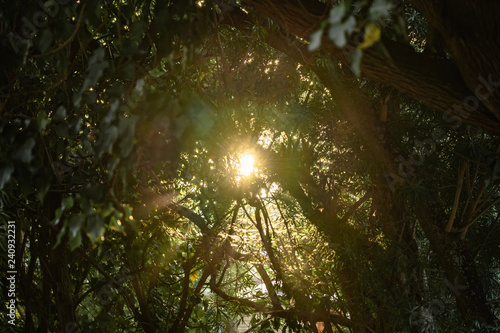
(257, 165)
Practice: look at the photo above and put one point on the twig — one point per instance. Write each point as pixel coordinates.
(258, 324)
(485, 238)
(67, 41)
(460, 183)
(463, 230)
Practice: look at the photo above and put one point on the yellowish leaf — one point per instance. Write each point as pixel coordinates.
(193, 277)
(372, 35)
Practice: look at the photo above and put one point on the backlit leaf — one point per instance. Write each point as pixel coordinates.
(371, 36)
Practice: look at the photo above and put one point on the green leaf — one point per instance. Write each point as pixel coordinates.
(42, 184)
(113, 224)
(194, 299)
(128, 71)
(106, 140)
(107, 210)
(130, 48)
(85, 204)
(24, 153)
(117, 90)
(58, 215)
(111, 115)
(94, 192)
(59, 114)
(77, 99)
(6, 172)
(97, 65)
(111, 165)
(74, 128)
(42, 121)
(126, 133)
(276, 323)
(201, 117)
(67, 203)
(60, 235)
(128, 212)
(74, 225)
(95, 227)
(75, 241)
(138, 29)
(129, 218)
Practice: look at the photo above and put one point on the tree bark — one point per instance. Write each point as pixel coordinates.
(459, 268)
(458, 265)
(437, 83)
(472, 32)
(61, 286)
(56, 268)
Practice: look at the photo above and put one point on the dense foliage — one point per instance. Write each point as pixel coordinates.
(128, 132)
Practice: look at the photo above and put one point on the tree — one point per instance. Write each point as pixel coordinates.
(365, 209)
(448, 79)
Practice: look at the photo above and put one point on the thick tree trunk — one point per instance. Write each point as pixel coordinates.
(471, 30)
(143, 315)
(437, 83)
(61, 286)
(458, 265)
(56, 278)
(452, 254)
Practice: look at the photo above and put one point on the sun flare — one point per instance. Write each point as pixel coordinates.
(246, 164)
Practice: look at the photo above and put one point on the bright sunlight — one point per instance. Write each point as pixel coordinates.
(246, 164)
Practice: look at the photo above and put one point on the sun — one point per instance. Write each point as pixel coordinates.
(246, 164)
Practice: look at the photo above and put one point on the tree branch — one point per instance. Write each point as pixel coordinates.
(460, 182)
(437, 83)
